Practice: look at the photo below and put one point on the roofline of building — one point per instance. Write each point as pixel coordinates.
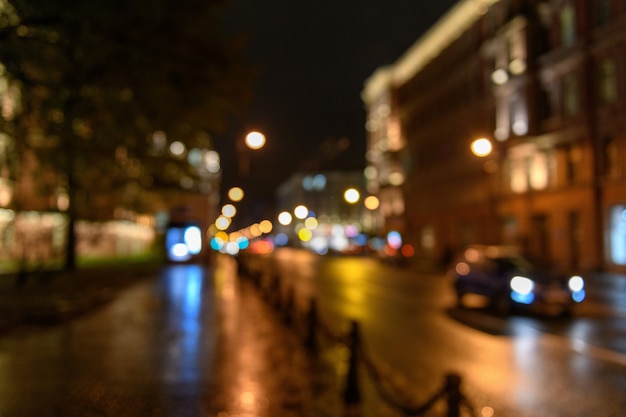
(439, 36)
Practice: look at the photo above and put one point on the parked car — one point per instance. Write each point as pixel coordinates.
(510, 281)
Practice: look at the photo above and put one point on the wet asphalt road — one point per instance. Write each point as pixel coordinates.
(524, 365)
(189, 343)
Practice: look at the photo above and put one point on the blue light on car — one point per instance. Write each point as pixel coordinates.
(522, 298)
(579, 296)
(522, 290)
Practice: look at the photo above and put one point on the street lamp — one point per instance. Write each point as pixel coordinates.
(481, 147)
(351, 195)
(254, 141)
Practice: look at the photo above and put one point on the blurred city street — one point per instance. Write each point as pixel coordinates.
(196, 340)
(215, 209)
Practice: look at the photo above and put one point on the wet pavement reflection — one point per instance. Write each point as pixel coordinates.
(192, 342)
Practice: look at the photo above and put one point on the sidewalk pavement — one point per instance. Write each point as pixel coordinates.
(298, 383)
(48, 297)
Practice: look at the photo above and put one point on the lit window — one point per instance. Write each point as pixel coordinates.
(427, 238)
(519, 115)
(611, 159)
(539, 171)
(568, 25)
(499, 76)
(517, 53)
(603, 12)
(518, 176)
(570, 95)
(573, 163)
(607, 81)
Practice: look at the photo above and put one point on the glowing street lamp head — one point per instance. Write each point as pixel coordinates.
(351, 195)
(255, 140)
(481, 147)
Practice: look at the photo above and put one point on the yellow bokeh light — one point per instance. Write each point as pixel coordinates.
(266, 226)
(305, 234)
(311, 223)
(371, 202)
(223, 236)
(235, 194)
(255, 230)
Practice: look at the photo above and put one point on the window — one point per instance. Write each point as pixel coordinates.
(568, 25)
(602, 12)
(518, 175)
(573, 156)
(611, 162)
(517, 53)
(607, 81)
(427, 238)
(570, 95)
(538, 172)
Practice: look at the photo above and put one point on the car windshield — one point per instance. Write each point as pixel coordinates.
(513, 263)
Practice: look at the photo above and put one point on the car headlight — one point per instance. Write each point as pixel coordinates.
(522, 285)
(576, 283)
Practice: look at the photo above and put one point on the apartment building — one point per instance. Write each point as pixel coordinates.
(545, 83)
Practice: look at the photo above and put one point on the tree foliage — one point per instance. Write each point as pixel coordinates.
(99, 77)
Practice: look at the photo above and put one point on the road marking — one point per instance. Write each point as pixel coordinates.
(504, 326)
(605, 354)
(580, 346)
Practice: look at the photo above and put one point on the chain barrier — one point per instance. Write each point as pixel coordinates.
(284, 303)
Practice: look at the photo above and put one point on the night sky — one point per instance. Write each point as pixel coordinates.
(315, 59)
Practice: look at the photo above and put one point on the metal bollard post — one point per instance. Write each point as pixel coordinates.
(311, 334)
(276, 292)
(452, 390)
(289, 307)
(352, 393)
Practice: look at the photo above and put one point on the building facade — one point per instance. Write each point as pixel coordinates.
(545, 83)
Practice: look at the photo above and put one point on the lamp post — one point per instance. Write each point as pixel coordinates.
(253, 141)
(483, 148)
